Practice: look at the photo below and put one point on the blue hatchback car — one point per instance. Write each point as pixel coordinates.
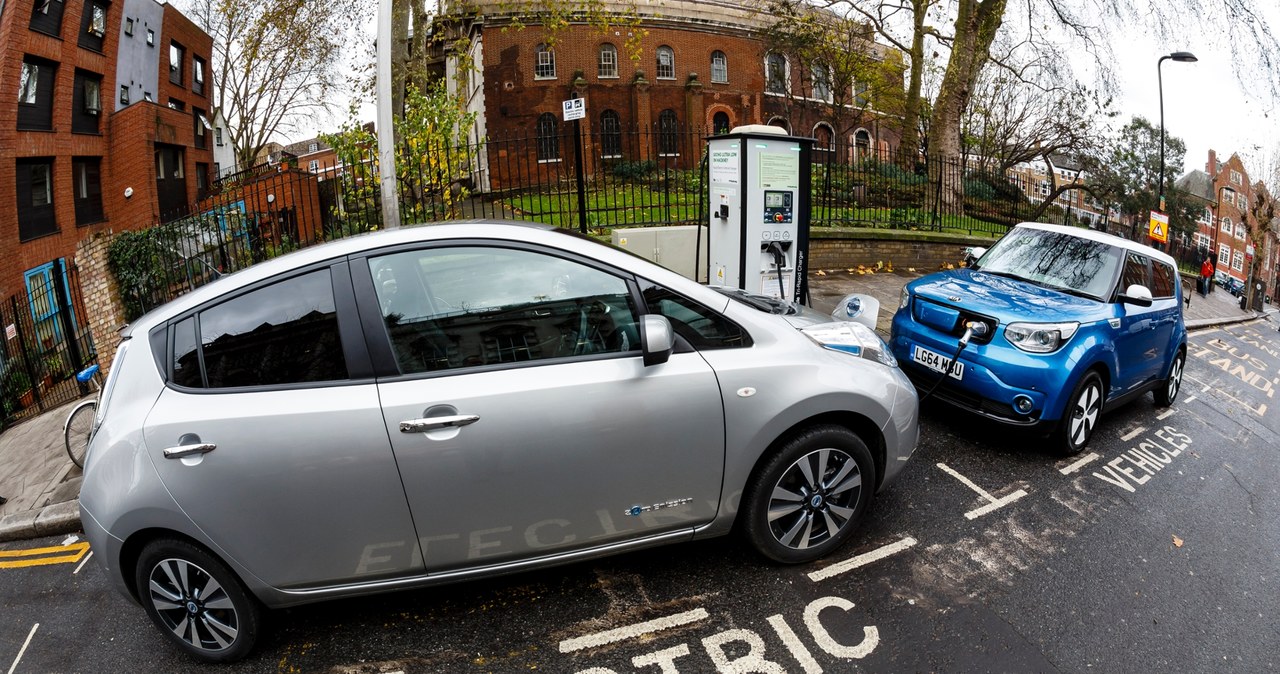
(1048, 328)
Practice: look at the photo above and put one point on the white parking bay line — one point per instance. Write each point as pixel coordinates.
(995, 503)
(862, 560)
(1089, 458)
(82, 563)
(1133, 434)
(632, 631)
(1189, 400)
(1166, 414)
(32, 633)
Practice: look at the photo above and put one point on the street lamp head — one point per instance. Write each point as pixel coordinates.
(1184, 56)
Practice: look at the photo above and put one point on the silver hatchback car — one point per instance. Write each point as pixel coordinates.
(448, 402)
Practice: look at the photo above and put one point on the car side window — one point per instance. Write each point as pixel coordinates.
(1135, 272)
(284, 333)
(1163, 280)
(450, 308)
(703, 328)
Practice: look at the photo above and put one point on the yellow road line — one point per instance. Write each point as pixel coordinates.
(61, 554)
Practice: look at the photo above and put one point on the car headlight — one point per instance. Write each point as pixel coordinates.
(851, 338)
(1039, 337)
(905, 298)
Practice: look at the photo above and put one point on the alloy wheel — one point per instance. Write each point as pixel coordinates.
(1175, 379)
(815, 498)
(193, 605)
(1084, 414)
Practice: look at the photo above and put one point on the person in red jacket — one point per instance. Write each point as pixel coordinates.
(1206, 276)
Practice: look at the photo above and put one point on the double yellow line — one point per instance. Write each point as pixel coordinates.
(59, 554)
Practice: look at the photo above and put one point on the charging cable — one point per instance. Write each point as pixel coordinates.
(971, 329)
(776, 248)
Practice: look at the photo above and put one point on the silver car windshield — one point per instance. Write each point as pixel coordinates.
(1055, 260)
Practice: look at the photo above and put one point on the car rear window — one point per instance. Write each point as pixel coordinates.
(1163, 280)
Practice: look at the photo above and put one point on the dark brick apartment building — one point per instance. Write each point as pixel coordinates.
(104, 124)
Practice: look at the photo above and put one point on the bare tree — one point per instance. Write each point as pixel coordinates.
(275, 62)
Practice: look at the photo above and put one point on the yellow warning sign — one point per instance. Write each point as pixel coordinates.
(1159, 227)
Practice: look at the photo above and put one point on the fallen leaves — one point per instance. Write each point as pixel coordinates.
(1177, 542)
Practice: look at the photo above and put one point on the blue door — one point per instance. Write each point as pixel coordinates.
(42, 296)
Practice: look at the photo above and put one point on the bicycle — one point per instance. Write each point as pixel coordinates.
(79, 426)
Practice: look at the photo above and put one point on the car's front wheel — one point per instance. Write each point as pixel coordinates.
(1167, 392)
(196, 601)
(1081, 415)
(809, 497)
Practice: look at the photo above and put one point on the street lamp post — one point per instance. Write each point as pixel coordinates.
(1217, 227)
(1184, 57)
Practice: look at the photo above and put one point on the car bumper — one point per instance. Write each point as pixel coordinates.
(106, 548)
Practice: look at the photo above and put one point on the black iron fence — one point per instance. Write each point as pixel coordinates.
(46, 341)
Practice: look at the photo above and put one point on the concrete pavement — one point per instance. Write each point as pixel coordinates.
(42, 485)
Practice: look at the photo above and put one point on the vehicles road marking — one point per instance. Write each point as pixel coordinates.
(1260, 410)
(632, 631)
(21, 651)
(1086, 460)
(58, 554)
(862, 560)
(995, 503)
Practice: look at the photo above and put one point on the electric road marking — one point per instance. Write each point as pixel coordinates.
(1088, 458)
(632, 631)
(1132, 434)
(58, 554)
(995, 503)
(32, 633)
(1166, 414)
(862, 560)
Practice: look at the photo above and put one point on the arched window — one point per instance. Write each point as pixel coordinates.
(608, 60)
(668, 133)
(720, 123)
(610, 135)
(781, 123)
(666, 63)
(544, 68)
(1226, 224)
(775, 73)
(862, 144)
(719, 67)
(548, 138)
(822, 137)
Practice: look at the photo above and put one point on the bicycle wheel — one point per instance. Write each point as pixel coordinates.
(76, 432)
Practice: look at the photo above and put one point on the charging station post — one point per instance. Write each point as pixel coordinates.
(758, 227)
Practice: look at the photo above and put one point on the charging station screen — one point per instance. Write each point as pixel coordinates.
(777, 206)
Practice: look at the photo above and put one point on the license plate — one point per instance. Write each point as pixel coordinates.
(936, 362)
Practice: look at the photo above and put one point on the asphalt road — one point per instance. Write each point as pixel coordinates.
(1158, 550)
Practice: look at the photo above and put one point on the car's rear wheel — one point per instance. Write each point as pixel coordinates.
(1081, 415)
(1167, 392)
(810, 496)
(196, 601)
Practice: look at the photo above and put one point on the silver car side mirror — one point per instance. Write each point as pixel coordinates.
(656, 339)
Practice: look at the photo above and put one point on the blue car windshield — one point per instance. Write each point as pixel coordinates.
(1055, 260)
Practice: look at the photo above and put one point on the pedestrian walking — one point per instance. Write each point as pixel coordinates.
(1206, 277)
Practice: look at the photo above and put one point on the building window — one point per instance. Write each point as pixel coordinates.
(202, 180)
(545, 66)
(860, 97)
(775, 73)
(1242, 202)
(202, 127)
(93, 28)
(1237, 261)
(47, 16)
(124, 95)
(217, 136)
(151, 38)
(1206, 216)
(34, 180)
(314, 166)
(1226, 224)
(862, 145)
(86, 105)
(720, 123)
(668, 133)
(610, 135)
(176, 55)
(821, 82)
(86, 178)
(1239, 231)
(177, 104)
(548, 138)
(822, 136)
(666, 63)
(1236, 178)
(128, 27)
(719, 67)
(35, 94)
(197, 75)
(608, 61)
(1224, 253)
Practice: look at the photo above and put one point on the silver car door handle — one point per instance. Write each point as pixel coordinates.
(189, 450)
(432, 423)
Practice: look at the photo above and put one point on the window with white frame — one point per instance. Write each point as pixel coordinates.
(1237, 261)
(666, 63)
(1206, 216)
(313, 147)
(1226, 224)
(1242, 202)
(823, 136)
(821, 82)
(314, 166)
(608, 61)
(548, 138)
(1236, 178)
(775, 73)
(1201, 240)
(544, 67)
(861, 98)
(1224, 253)
(1044, 188)
(1239, 231)
(719, 67)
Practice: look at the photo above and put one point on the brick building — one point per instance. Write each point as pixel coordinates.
(1223, 226)
(103, 125)
(703, 66)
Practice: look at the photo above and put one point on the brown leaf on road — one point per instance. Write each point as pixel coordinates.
(1177, 542)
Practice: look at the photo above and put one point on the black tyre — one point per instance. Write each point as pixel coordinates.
(76, 433)
(1081, 415)
(810, 496)
(196, 601)
(1167, 391)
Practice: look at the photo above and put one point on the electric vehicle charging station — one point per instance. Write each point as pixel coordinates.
(758, 228)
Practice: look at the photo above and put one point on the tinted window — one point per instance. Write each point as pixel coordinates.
(285, 333)
(698, 325)
(186, 360)
(1055, 260)
(1135, 272)
(1163, 279)
(451, 308)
